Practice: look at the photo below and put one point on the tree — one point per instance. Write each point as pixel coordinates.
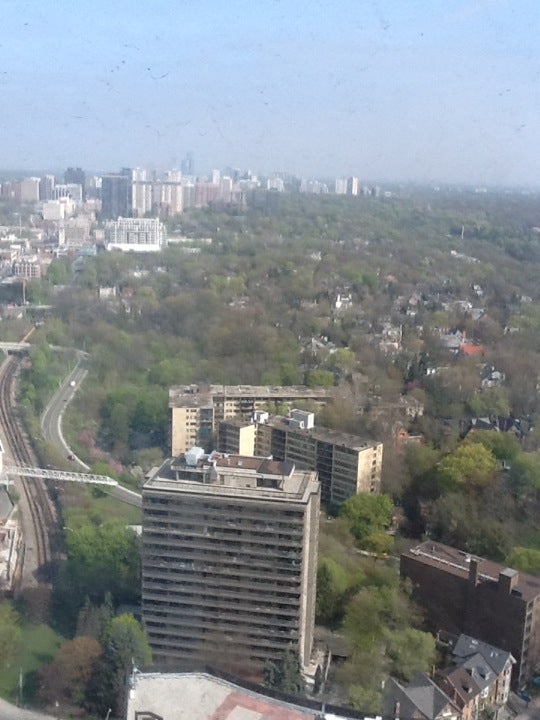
(525, 559)
(524, 475)
(471, 465)
(67, 677)
(93, 620)
(125, 645)
(367, 515)
(285, 674)
(319, 378)
(503, 446)
(332, 583)
(104, 559)
(366, 699)
(100, 559)
(410, 651)
(468, 523)
(10, 635)
(57, 273)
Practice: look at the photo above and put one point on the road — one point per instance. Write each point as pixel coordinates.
(51, 427)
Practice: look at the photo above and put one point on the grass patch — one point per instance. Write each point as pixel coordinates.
(531, 539)
(39, 644)
(82, 505)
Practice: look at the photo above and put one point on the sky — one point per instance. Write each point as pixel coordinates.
(420, 90)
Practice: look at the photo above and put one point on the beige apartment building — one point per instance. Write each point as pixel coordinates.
(229, 560)
(197, 409)
(346, 464)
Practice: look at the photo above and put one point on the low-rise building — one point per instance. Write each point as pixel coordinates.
(478, 677)
(421, 699)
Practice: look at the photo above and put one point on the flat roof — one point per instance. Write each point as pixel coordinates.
(201, 696)
(182, 393)
(354, 442)
(260, 465)
(280, 422)
(297, 486)
(458, 562)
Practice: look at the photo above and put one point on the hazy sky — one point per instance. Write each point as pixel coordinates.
(445, 90)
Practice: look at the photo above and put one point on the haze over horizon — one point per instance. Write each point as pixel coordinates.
(420, 91)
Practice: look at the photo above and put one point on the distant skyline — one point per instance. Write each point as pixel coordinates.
(419, 90)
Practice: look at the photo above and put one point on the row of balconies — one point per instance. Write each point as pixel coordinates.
(213, 548)
(213, 623)
(194, 615)
(154, 566)
(196, 567)
(236, 555)
(244, 635)
(194, 523)
(206, 572)
(189, 517)
(193, 574)
(266, 600)
(211, 606)
(165, 529)
(171, 647)
(204, 608)
(212, 577)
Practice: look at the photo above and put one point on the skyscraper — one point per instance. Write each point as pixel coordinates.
(76, 176)
(116, 196)
(187, 165)
(229, 560)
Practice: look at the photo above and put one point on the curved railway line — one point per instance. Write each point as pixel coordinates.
(37, 511)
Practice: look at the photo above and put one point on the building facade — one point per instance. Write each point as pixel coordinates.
(478, 678)
(197, 409)
(135, 234)
(116, 196)
(464, 593)
(229, 560)
(346, 464)
(420, 699)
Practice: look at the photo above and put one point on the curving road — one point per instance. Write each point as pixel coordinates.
(51, 427)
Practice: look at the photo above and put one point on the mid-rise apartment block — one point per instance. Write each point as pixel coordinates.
(229, 560)
(346, 464)
(464, 593)
(135, 234)
(27, 267)
(197, 409)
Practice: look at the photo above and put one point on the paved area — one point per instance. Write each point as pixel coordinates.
(12, 712)
(530, 711)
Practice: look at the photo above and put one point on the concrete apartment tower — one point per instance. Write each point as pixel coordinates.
(229, 561)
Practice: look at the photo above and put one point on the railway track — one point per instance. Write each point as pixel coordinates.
(37, 511)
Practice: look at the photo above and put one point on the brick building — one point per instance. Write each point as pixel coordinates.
(464, 593)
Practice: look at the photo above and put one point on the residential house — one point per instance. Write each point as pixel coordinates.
(421, 699)
(461, 687)
(498, 663)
